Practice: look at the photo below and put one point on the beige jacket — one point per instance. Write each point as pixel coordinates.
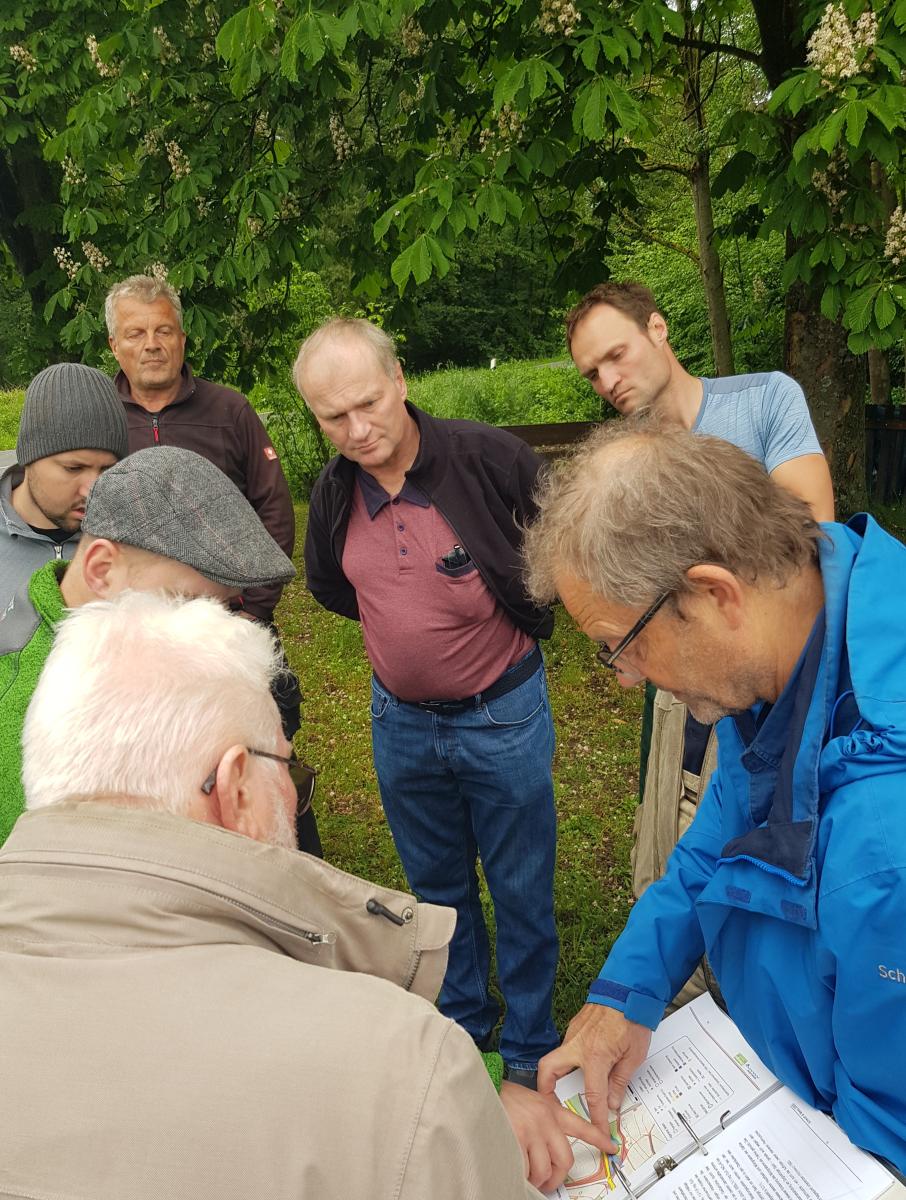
(190, 1015)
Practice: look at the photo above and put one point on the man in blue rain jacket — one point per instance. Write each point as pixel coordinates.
(690, 567)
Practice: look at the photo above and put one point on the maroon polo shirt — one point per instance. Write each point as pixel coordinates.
(431, 632)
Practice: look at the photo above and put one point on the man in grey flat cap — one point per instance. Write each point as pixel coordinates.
(71, 429)
(163, 519)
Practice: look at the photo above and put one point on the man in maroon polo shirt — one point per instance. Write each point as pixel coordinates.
(415, 529)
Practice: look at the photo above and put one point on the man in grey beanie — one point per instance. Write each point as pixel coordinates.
(71, 429)
(163, 519)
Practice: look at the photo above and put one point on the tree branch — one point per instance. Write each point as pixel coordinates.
(705, 47)
(653, 237)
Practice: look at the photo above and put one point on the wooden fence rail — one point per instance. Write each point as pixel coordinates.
(885, 447)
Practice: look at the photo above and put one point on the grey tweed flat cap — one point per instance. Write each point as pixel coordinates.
(175, 503)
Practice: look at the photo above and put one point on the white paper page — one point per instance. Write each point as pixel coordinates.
(781, 1150)
(699, 1065)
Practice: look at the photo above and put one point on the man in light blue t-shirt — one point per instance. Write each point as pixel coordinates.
(618, 340)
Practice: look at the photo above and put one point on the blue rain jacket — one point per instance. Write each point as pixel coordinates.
(792, 877)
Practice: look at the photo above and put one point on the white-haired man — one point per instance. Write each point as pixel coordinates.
(415, 529)
(688, 566)
(199, 1014)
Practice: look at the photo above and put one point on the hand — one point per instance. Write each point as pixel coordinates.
(543, 1127)
(609, 1049)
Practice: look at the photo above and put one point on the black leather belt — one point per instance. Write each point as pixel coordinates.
(508, 682)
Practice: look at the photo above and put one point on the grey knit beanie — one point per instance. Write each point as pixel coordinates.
(71, 407)
(173, 502)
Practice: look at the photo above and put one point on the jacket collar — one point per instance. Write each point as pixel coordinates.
(784, 759)
(427, 459)
(169, 882)
(12, 522)
(187, 387)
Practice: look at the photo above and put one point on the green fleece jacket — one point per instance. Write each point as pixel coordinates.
(19, 671)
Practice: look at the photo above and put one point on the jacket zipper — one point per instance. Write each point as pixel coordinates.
(322, 938)
(156, 428)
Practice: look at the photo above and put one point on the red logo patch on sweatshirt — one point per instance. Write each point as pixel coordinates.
(270, 452)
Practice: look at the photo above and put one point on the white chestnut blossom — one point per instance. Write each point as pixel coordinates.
(105, 70)
(179, 162)
(66, 262)
(558, 18)
(23, 57)
(895, 242)
(96, 258)
(342, 142)
(839, 49)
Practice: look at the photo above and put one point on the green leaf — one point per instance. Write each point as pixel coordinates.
(590, 110)
(735, 173)
(786, 93)
(491, 204)
(615, 50)
(311, 38)
(830, 302)
(857, 314)
(885, 309)
(509, 84)
(889, 60)
(242, 31)
(415, 261)
(885, 115)
(438, 258)
(830, 130)
(589, 49)
(856, 116)
(860, 343)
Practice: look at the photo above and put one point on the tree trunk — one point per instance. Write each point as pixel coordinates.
(879, 376)
(816, 354)
(700, 182)
(711, 270)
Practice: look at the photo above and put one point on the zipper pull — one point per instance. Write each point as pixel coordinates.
(319, 939)
(156, 429)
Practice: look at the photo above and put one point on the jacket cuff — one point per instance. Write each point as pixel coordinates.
(635, 1006)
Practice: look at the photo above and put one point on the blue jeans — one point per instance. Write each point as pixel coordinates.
(479, 783)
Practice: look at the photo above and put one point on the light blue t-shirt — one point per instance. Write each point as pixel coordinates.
(766, 415)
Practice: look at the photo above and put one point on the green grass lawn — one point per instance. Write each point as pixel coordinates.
(595, 775)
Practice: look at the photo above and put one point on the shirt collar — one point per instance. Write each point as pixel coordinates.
(376, 497)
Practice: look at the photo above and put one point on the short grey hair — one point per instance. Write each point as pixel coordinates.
(642, 501)
(144, 288)
(141, 696)
(339, 329)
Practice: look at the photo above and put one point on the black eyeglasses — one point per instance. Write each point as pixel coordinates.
(607, 657)
(303, 777)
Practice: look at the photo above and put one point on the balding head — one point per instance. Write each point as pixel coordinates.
(642, 502)
(334, 340)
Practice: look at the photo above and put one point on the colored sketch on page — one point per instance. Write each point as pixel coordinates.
(699, 1066)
